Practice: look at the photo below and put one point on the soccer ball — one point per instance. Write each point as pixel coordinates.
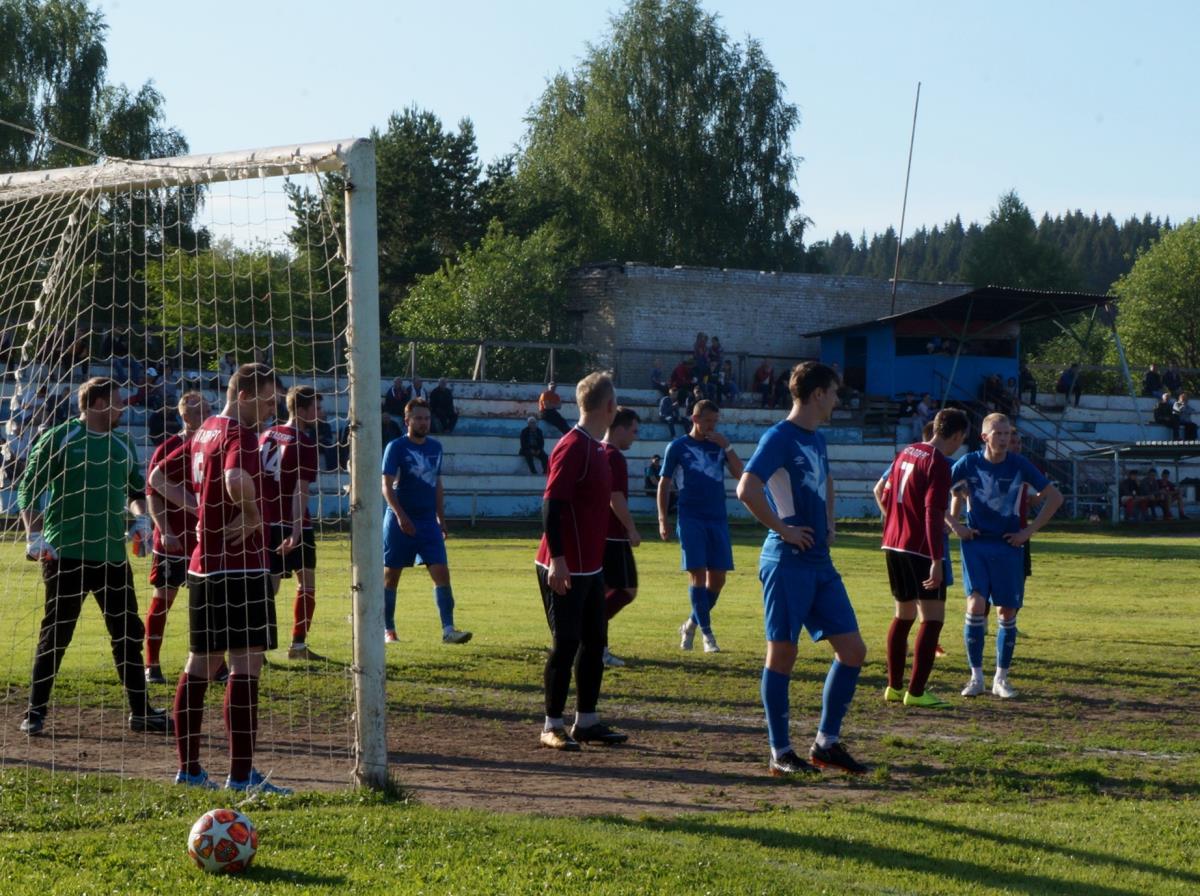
(223, 841)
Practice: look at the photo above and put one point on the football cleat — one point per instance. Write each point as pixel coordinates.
(454, 636)
(597, 734)
(612, 660)
(687, 634)
(925, 701)
(974, 688)
(939, 651)
(199, 780)
(154, 675)
(1001, 688)
(302, 652)
(33, 723)
(558, 739)
(389, 637)
(222, 675)
(257, 783)
(789, 764)
(892, 695)
(155, 721)
(835, 756)
(710, 644)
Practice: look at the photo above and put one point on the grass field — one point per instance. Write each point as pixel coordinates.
(1086, 784)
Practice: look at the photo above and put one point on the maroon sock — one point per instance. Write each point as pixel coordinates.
(615, 601)
(241, 717)
(897, 651)
(189, 719)
(156, 624)
(924, 653)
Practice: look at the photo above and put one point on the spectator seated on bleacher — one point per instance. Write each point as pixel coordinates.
(441, 408)
(418, 389)
(764, 383)
(1152, 382)
(727, 385)
(681, 376)
(19, 438)
(781, 397)
(1069, 384)
(1027, 383)
(658, 382)
(549, 403)
(926, 410)
(1152, 494)
(533, 445)
(908, 419)
(390, 427)
(1183, 411)
(650, 481)
(1164, 415)
(396, 397)
(668, 412)
(1171, 493)
(1132, 501)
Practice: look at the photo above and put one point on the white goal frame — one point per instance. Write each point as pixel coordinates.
(355, 160)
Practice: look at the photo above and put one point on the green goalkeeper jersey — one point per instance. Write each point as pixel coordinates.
(87, 479)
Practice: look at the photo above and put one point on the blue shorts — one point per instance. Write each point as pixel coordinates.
(705, 544)
(994, 569)
(811, 596)
(427, 547)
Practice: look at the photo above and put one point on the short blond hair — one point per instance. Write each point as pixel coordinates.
(190, 397)
(593, 391)
(990, 421)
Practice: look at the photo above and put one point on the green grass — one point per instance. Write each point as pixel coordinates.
(1088, 784)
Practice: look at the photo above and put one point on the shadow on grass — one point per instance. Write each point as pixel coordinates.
(890, 858)
(259, 873)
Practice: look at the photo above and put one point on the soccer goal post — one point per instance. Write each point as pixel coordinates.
(164, 275)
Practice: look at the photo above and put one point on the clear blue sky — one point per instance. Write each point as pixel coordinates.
(1089, 105)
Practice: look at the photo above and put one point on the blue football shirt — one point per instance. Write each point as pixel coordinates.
(794, 465)
(994, 490)
(698, 469)
(416, 468)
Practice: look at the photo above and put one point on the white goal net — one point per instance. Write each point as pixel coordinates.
(140, 288)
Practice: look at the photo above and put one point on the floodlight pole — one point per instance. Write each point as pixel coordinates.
(366, 499)
(904, 205)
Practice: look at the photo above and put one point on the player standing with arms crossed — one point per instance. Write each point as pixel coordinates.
(414, 526)
(696, 462)
(915, 504)
(575, 509)
(788, 488)
(620, 570)
(231, 608)
(174, 537)
(288, 453)
(991, 482)
(88, 473)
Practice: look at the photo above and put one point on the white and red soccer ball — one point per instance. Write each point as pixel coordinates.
(223, 841)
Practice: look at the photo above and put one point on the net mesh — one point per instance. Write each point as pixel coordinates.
(165, 289)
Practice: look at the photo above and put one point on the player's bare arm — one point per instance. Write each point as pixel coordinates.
(620, 507)
(157, 507)
(389, 495)
(952, 518)
(440, 499)
(877, 491)
(173, 492)
(663, 499)
(239, 485)
(731, 459)
(1051, 499)
(752, 493)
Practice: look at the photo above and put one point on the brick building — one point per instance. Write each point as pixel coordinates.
(629, 314)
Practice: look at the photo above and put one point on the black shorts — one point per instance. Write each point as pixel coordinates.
(231, 611)
(168, 572)
(1028, 561)
(619, 569)
(303, 556)
(906, 572)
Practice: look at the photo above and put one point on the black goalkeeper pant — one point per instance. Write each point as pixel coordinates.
(68, 582)
(579, 629)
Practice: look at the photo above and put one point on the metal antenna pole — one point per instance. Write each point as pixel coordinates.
(904, 205)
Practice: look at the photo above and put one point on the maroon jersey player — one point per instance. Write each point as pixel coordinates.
(620, 570)
(288, 452)
(231, 609)
(914, 505)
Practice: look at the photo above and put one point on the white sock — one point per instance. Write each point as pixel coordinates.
(296, 645)
(977, 673)
(689, 624)
(447, 629)
(786, 748)
(551, 724)
(586, 719)
(1001, 675)
(826, 740)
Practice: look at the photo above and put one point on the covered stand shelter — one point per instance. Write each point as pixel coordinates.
(1171, 452)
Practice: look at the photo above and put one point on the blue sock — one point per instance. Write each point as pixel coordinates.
(444, 598)
(835, 699)
(389, 609)
(1006, 640)
(775, 702)
(974, 631)
(699, 598)
(712, 598)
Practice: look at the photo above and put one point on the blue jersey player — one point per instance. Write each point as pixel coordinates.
(991, 483)
(788, 488)
(414, 526)
(696, 463)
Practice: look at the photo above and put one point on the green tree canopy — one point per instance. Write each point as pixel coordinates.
(1007, 252)
(669, 144)
(1159, 319)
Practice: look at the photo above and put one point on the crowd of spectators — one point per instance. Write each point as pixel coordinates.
(1141, 495)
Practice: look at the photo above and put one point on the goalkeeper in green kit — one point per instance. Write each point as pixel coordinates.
(88, 473)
